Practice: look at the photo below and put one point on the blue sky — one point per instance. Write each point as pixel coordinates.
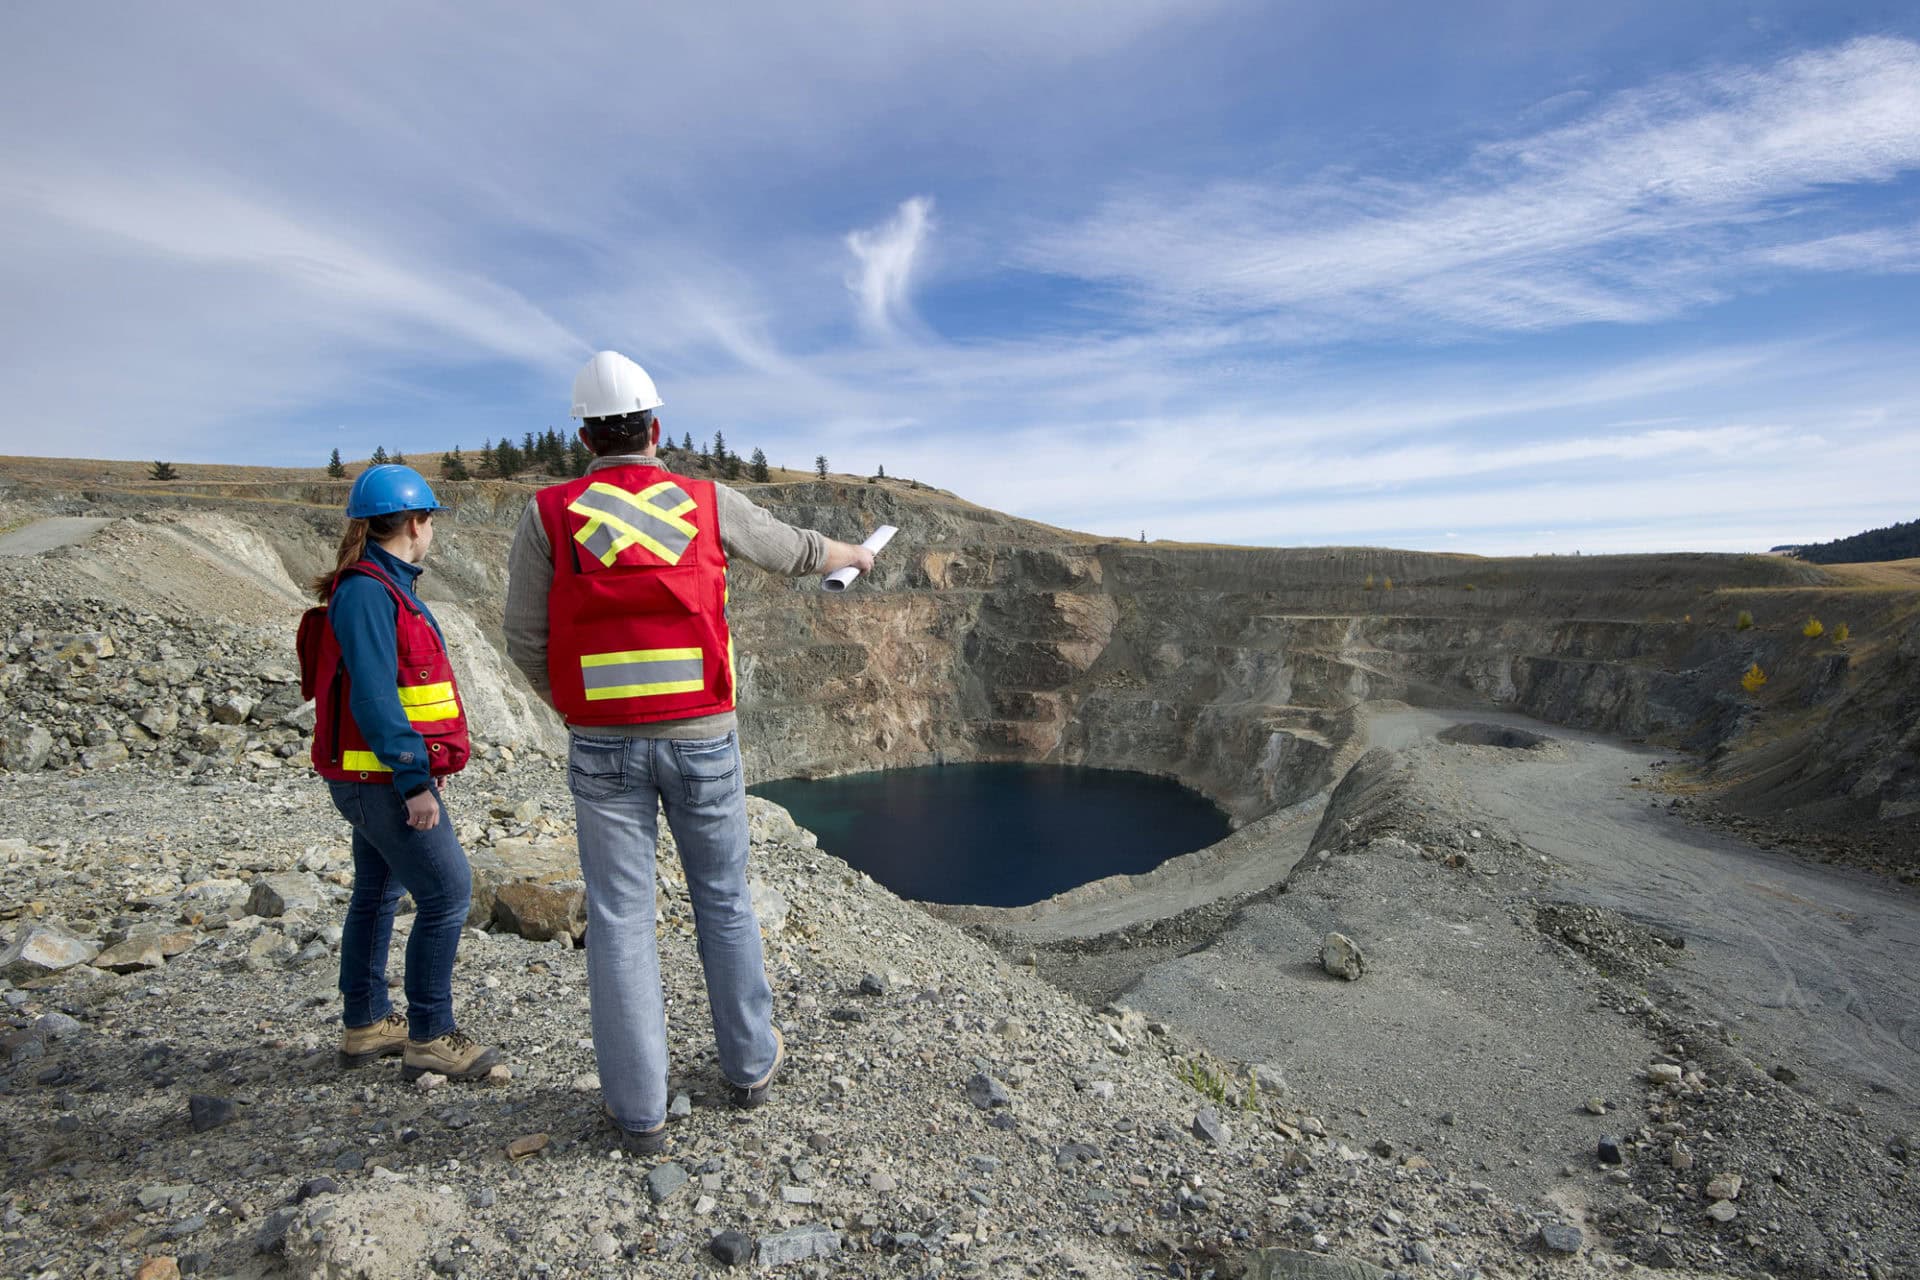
(1492, 277)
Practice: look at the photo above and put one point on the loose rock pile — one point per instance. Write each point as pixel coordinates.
(943, 1110)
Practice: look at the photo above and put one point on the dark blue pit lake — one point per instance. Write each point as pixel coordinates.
(999, 835)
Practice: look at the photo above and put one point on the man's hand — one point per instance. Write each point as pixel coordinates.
(423, 811)
(842, 554)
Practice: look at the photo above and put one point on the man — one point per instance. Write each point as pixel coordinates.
(617, 615)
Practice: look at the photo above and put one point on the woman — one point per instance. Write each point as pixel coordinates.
(388, 722)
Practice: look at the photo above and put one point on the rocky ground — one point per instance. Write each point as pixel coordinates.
(944, 1111)
(171, 883)
(1547, 1047)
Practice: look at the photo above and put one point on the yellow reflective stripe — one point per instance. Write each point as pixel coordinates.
(362, 762)
(412, 695)
(638, 655)
(434, 711)
(670, 514)
(628, 536)
(682, 663)
(645, 690)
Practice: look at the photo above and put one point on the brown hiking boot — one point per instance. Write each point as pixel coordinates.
(752, 1095)
(453, 1055)
(361, 1045)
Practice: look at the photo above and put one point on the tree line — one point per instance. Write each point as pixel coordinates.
(1894, 542)
(552, 454)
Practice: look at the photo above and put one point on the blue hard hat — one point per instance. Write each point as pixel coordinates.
(388, 488)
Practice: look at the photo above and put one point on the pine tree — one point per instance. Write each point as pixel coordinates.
(453, 466)
(507, 459)
(732, 466)
(759, 471)
(162, 471)
(397, 458)
(578, 457)
(686, 442)
(336, 469)
(882, 472)
(820, 466)
(488, 464)
(719, 450)
(379, 454)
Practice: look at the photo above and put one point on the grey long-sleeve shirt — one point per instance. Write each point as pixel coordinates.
(746, 532)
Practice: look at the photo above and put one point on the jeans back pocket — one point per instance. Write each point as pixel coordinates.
(709, 767)
(597, 767)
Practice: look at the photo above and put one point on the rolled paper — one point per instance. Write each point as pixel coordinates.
(841, 579)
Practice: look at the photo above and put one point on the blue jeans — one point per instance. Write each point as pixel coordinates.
(619, 787)
(389, 858)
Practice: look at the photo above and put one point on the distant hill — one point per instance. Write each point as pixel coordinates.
(1895, 542)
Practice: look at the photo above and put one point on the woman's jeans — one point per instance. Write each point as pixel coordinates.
(619, 787)
(390, 858)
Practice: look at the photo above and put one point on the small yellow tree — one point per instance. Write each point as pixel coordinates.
(1368, 584)
(1841, 634)
(1813, 630)
(1744, 622)
(1754, 678)
(1386, 584)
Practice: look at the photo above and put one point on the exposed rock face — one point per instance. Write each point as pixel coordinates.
(981, 637)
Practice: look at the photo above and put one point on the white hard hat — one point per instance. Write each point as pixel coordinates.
(611, 385)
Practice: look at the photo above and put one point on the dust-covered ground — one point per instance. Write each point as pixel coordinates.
(1542, 934)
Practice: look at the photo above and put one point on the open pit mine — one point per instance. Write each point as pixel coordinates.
(1568, 923)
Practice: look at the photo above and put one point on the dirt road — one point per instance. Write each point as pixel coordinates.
(1813, 967)
(46, 535)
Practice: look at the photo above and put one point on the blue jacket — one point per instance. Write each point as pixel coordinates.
(365, 621)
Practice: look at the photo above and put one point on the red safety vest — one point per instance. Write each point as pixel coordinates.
(637, 614)
(424, 682)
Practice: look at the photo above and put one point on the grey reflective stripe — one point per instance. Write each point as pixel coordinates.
(642, 679)
(600, 542)
(633, 514)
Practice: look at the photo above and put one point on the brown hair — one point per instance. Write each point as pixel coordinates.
(353, 546)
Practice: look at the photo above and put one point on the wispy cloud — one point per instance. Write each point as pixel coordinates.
(1622, 216)
(1887, 249)
(885, 258)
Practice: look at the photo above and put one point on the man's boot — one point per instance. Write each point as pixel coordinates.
(452, 1055)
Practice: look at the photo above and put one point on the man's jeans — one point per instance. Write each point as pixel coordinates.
(619, 787)
(390, 858)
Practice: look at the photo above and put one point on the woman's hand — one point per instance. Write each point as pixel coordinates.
(423, 811)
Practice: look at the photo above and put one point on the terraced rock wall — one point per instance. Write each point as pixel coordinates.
(1237, 670)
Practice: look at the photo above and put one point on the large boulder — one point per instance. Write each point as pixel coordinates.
(132, 956)
(516, 861)
(42, 949)
(24, 748)
(222, 741)
(105, 756)
(230, 708)
(1340, 956)
(284, 891)
(542, 912)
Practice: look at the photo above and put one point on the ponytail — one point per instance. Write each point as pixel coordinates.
(353, 548)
